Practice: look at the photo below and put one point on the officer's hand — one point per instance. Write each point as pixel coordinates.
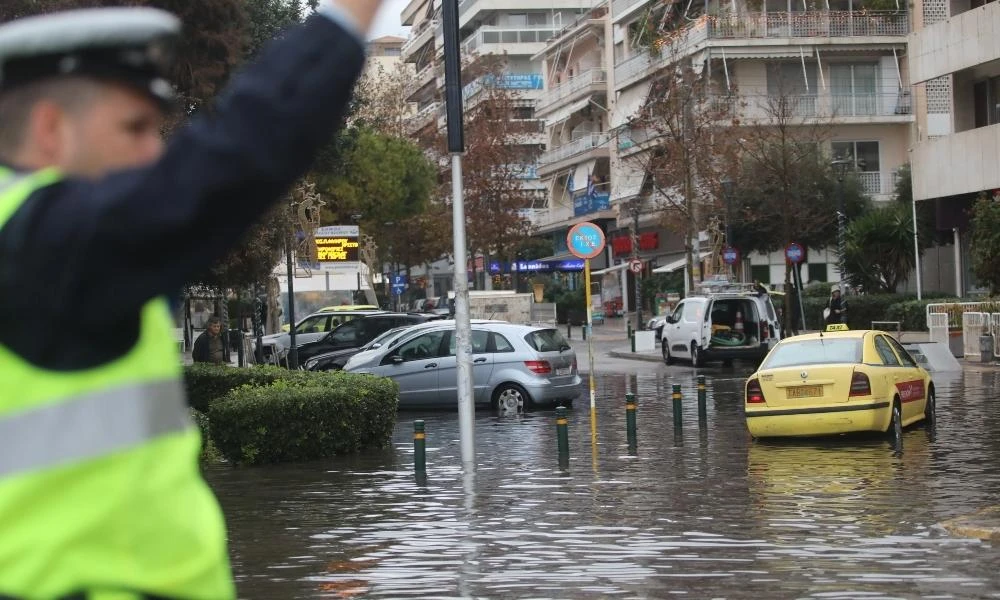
(362, 11)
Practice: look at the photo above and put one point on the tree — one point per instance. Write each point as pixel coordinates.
(385, 107)
(689, 153)
(985, 242)
(880, 249)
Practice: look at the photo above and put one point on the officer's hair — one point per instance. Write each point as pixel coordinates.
(70, 93)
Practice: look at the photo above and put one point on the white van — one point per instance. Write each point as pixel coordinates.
(721, 322)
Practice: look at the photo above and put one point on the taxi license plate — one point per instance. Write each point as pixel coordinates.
(564, 371)
(805, 391)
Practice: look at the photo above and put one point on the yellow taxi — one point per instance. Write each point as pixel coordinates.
(838, 381)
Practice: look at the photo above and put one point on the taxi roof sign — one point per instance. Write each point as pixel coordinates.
(837, 327)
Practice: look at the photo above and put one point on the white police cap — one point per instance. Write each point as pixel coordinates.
(129, 45)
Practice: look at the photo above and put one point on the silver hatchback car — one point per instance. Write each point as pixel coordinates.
(514, 366)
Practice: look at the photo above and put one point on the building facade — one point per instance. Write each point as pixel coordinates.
(955, 63)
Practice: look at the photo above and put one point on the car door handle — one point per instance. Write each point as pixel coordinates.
(479, 360)
(430, 365)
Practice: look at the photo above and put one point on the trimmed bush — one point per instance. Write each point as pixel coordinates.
(206, 383)
(304, 416)
(209, 453)
(861, 310)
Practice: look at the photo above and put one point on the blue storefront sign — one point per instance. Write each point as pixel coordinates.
(538, 266)
(584, 203)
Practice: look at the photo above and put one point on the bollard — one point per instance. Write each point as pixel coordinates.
(628, 329)
(419, 447)
(585, 328)
(702, 409)
(630, 420)
(562, 434)
(676, 396)
(569, 329)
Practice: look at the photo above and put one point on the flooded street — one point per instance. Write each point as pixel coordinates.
(703, 512)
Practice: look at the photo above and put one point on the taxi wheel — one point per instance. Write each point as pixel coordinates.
(696, 360)
(665, 350)
(930, 409)
(895, 430)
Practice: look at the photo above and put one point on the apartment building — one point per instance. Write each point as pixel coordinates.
(955, 63)
(517, 31)
(842, 65)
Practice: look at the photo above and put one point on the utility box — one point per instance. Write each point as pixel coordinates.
(985, 350)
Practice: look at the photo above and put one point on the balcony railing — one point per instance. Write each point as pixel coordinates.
(499, 34)
(422, 78)
(833, 23)
(577, 146)
(418, 36)
(424, 116)
(535, 216)
(875, 183)
(820, 105)
(568, 88)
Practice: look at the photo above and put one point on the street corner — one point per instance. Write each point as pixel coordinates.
(983, 524)
(627, 353)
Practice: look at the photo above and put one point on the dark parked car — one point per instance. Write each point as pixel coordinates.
(358, 332)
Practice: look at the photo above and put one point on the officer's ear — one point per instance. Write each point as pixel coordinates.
(49, 130)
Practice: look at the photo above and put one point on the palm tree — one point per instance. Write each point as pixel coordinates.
(880, 249)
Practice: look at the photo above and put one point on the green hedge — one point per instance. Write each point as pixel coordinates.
(862, 310)
(304, 416)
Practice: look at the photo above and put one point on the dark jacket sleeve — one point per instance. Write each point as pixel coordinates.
(113, 244)
(200, 351)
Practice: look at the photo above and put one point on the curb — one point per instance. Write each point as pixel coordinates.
(635, 356)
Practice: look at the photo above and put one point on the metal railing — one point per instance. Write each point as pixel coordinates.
(833, 23)
(817, 104)
(955, 310)
(577, 146)
(572, 86)
(499, 34)
(418, 35)
(423, 116)
(422, 78)
(974, 324)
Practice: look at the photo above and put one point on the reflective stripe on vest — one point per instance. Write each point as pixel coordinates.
(91, 425)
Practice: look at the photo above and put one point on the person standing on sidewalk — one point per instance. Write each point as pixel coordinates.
(208, 347)
(100, 490)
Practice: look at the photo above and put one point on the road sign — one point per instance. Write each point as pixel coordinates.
(794, 253)
(730, 255)
(585, 240)
(398, 284)
(635, 265)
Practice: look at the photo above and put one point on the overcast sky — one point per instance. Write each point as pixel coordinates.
(388, 19)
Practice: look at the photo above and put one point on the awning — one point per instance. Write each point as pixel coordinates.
(626, 182)
(620, 267)
(565, 112)
(629, 102)
(678, 264)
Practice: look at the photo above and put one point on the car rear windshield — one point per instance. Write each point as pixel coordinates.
(815, 352)
(547, 340)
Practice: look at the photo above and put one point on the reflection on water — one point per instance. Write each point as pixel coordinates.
(703, 510)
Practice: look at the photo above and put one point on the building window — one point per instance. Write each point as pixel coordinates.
(854, 89)
(817, 272)
(864, 155)
(537, 18)
(393, 52)
(986, 100)
(517, 19)
(761, 273)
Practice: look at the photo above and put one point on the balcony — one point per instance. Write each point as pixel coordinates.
(498, 39)
(961, 42)
(591, 142)
(535, 216)
(578, 87)
(506, 81)
(823, 24)
(423, 78)
(424, 117)
(875, 183)
(960, 163)
(420, 35)
(621, 8)
(839, 108)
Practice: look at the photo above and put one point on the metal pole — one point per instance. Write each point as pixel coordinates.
(841, 242)
(635, 256)
(588, 335)
(957, 238)
(916, 252)
(456, 146)
(293, 352)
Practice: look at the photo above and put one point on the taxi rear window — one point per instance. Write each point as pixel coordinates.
(815, 352)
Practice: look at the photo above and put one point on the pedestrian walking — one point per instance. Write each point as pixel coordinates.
(836, 307)
(100, 222)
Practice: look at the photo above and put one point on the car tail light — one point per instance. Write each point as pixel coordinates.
(574, 364)
(763, 331)
(860, 385)
(542, 367)
(754, 394)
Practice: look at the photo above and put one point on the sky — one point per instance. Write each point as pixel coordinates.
(387, 22)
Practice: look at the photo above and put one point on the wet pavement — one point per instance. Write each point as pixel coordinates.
(704, 512)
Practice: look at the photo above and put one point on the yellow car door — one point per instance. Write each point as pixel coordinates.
(889, 372)
(911, 384)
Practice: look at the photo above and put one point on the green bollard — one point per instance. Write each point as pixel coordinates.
(628, 329)
(419, 447)
(569, 329)
(676, 396)
(702, 409)
(630, 420)
(562, 434)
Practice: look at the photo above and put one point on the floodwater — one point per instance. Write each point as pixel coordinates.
(704, 512)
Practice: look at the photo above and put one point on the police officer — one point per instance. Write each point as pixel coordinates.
(100, 494)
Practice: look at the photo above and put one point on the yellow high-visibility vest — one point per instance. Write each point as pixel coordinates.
(100, 488)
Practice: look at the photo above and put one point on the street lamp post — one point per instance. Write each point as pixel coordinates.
(840, 167)
(727, 196)
(635, 256)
